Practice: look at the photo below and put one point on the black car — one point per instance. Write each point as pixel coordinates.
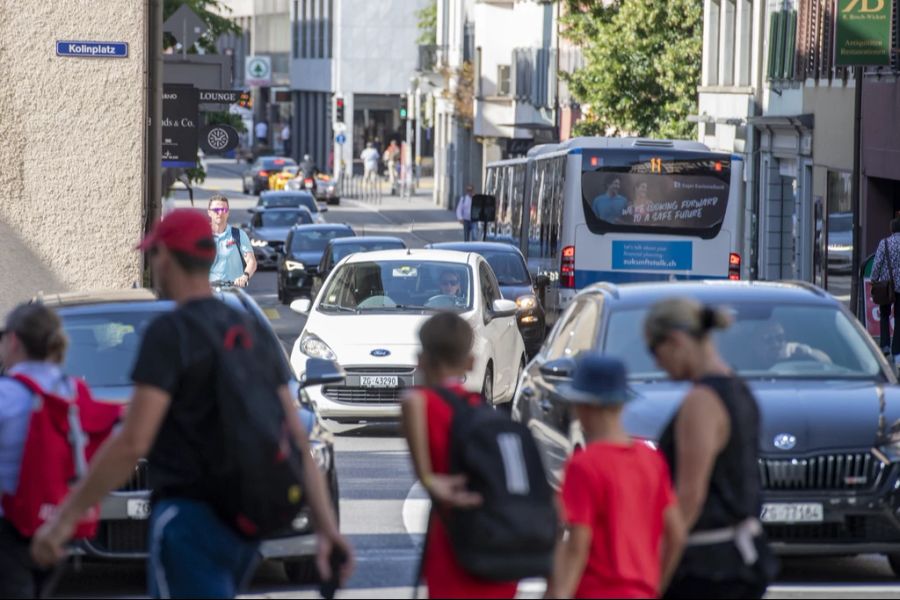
(268, 230)
(515, 284)
(302, 254)
(829, 437)
(256, 178)
(282, 199)
(105, 331)
(338, 248)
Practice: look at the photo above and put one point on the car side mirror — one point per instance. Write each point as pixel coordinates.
(301, 306)
(541, 281)
(504, 308)
(561, 368)
(323, 209)
(321, 372)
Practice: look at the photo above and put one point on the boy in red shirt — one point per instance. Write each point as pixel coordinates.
(624, 531)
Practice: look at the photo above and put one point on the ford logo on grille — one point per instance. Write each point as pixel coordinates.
(380, 352)
(785, 441)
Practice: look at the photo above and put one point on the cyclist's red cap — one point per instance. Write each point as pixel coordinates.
(183, 230)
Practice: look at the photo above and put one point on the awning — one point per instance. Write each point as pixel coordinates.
(804, 122)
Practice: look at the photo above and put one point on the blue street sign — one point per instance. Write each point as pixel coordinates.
(341, 138)
(91, 49)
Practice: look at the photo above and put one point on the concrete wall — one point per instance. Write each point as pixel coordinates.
(71, 148)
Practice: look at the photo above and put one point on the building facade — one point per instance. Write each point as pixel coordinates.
(73, 142)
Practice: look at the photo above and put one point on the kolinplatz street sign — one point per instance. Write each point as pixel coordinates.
(863, 33)
(258, 71)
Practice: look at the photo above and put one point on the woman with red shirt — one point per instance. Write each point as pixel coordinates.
(445, 359)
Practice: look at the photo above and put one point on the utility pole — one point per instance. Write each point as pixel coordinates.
(418, 117)
(407, 155)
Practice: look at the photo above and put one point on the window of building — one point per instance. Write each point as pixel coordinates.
(782, 44)
(503, 80)
(711, 43)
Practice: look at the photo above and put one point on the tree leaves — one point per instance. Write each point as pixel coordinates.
(211, 12)
(642, 65)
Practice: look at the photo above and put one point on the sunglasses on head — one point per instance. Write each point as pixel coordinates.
(220, 210)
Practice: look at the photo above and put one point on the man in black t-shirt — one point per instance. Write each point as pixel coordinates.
(173, 418)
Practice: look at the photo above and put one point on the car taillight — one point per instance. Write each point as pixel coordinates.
(263, 173)
(734, 266)
(567, 268)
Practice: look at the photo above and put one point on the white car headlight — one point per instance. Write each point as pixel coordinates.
(526, 302)
(259, 243)
(293, 265)
(312, 346)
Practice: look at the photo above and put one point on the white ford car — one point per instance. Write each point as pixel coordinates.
(367, 317)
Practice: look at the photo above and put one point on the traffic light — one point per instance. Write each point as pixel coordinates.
(338, 109)
(245, 101)
(404, 107)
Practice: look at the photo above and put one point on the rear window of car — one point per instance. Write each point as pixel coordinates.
(289, 201)
(278, 163)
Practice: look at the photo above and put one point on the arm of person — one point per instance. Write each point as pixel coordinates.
(318, 496)
(702, 428)
(569, 561)
(879, 265)
(674, 537)
(246, 250)
(111, 467)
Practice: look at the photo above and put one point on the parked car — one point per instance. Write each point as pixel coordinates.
(285, 199)
(256, 178)
(325, 188)
(367, 318)
(268, 229)
(338, 248)
(515, 284)
(105, 330)
(829, 448)
(302, 253)
(840, 243)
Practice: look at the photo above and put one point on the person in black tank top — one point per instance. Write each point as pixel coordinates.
(711, 448)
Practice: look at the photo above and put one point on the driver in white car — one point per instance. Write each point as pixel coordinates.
(771, 347)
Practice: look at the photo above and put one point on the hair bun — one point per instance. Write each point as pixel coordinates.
(713, 318)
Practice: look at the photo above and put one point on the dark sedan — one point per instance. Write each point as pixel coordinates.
(515, 284)
(338, 248)
(302, 254)
(268, 230)
(829, 444)
(256, 178)
(281, 199)
(105, 330)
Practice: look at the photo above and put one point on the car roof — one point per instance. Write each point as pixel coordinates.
(276, 157)
(275, 209)
(321, 227)
(715, 292)
(375, 239)
(476, 247)
(129, 300)
(451, 256)
(284, 193)
(96, 297)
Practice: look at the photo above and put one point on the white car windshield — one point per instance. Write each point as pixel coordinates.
(764, 342)
(399, 286)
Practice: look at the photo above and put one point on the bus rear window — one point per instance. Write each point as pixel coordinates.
(681, 197)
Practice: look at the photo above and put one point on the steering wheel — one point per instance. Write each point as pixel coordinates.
(441, 301)
(377, 302)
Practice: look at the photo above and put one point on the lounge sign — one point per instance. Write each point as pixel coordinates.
(863, 34)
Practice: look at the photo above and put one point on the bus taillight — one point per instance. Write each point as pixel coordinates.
(734, 266)
(567, 268)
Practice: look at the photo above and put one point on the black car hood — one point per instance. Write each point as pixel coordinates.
(307, 258)
(270, 234)
(819, 414)
(511, 292)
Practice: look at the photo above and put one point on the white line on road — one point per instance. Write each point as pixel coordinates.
(416, 508)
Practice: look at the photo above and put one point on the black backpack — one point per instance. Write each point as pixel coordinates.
(256, 485)
(513, 533)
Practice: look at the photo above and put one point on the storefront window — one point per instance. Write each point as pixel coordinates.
(839, 230)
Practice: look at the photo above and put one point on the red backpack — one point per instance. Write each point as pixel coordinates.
(62, 437)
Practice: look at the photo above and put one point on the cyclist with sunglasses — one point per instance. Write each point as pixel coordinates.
(235, 260)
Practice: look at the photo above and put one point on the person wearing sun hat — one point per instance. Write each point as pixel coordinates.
(624, 530)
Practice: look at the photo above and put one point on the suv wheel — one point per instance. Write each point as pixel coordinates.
(301, 571)
(487, 388)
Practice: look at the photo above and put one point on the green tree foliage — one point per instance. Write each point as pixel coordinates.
(210, 12)
(642, 65)
(427, 24)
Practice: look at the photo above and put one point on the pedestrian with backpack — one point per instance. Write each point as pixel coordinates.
(624, 530)
(211, 410)
(235, 261)
(49, 428)
(492, 521)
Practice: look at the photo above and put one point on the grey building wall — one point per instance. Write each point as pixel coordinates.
(71, 148)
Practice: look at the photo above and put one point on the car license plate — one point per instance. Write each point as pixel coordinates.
(138, 509)
(810, 512)
(379, 381)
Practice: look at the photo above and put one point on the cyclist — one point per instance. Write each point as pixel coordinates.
(235, 261)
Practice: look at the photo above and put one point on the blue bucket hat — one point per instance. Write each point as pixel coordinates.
(599, 381)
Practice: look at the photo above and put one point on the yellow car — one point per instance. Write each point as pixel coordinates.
(278, 181)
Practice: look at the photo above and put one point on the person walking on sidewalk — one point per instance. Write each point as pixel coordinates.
(175, 417)
(426, 419)
(711, 446)
(886, 271)
(392, 160)
(286, 139)
(369, 157)
(235, 260)
(464, 213)
(624, 529)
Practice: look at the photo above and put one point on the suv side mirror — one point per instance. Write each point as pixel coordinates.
(504, 308)
(320, 372)
(301, 306)
(561, 368)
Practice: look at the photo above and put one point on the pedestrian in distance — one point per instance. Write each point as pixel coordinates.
(711, 446)
(464, 213)
(624, 529)
(207, 515)
(369, 157)
(885, 282)
(286, 138)
(235, 261)
(392, 160)
(40, 445)
(262, 133)
(475, 463)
